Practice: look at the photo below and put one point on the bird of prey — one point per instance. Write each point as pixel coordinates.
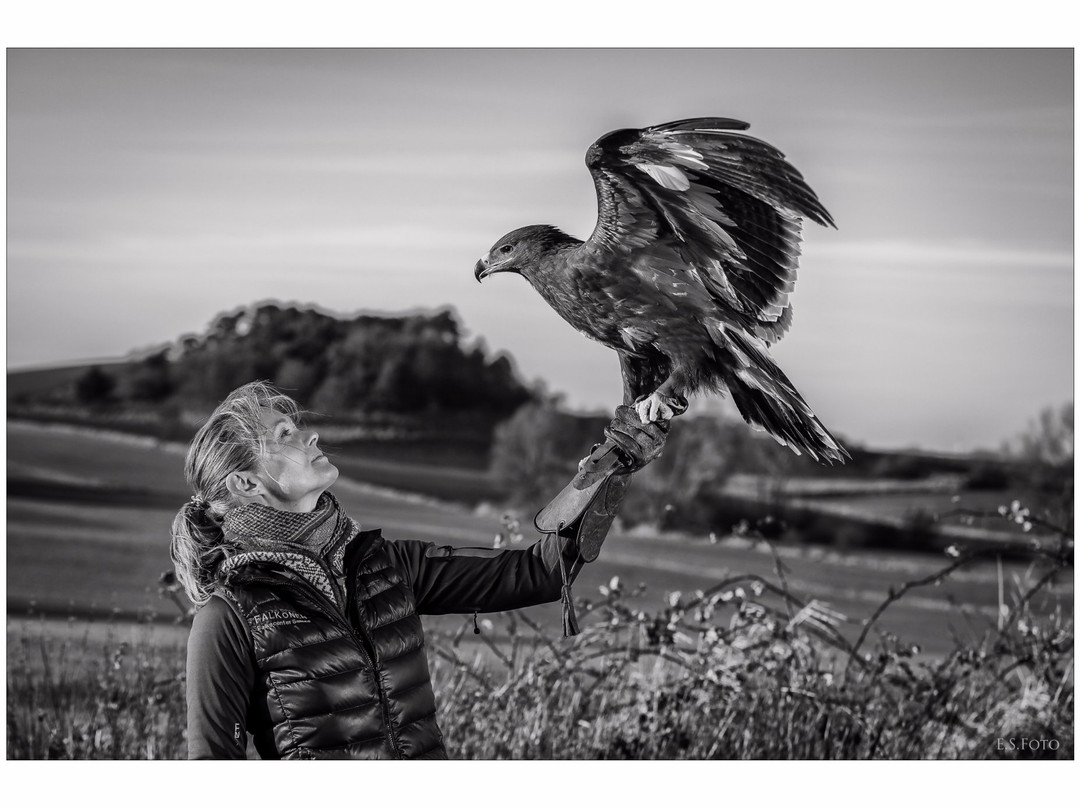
(687, 273)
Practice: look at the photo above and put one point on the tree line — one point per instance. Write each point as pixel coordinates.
(409, 365)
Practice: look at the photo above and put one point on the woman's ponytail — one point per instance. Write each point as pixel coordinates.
(198, 547)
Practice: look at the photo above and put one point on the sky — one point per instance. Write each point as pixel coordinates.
(150, 190)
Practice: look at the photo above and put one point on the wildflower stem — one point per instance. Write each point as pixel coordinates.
(779, 567)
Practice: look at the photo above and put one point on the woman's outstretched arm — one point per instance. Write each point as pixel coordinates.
(476, 579)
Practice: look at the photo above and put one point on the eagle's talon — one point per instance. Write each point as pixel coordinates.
(646, 409)
(658, 407)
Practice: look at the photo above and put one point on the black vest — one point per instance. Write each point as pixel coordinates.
(350, 683)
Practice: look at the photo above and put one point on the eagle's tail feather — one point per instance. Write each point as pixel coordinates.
(769, 402)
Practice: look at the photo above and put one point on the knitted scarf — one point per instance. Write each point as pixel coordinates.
(311, 544)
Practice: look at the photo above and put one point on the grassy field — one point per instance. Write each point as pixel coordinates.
(88, 523)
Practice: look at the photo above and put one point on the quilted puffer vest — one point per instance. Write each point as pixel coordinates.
(350, 683)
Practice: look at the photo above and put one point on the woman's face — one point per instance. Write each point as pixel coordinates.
(293, 469)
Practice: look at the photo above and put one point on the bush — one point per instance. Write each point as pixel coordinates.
(151, 379)
(986, 477)
(746, 670)
(536, 451)
(95, 387)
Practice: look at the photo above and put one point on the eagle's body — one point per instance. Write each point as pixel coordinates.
(687, 273)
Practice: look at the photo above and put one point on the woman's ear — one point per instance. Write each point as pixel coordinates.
(244, 485)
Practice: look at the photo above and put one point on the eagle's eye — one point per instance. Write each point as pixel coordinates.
(506, 248)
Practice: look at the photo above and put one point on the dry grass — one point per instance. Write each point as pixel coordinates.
(77, 695)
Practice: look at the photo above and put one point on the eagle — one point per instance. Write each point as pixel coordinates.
(688, 272)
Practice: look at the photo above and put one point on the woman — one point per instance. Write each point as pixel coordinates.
(307, 634)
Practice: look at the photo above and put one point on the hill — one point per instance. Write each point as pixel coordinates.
(400, 377)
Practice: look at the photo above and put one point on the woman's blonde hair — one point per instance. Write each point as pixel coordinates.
(232, 439)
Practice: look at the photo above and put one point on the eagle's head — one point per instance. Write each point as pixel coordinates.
(521, 249)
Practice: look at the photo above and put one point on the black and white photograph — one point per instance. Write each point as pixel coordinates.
(540, 404)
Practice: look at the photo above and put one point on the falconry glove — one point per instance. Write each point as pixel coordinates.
(595, 493)
(587, 506)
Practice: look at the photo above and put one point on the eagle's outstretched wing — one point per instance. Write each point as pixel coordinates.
(728, 204)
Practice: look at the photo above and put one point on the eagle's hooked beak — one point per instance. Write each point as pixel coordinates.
(485, 267)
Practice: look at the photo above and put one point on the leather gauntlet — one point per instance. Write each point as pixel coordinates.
(586, 507)
(598, 489)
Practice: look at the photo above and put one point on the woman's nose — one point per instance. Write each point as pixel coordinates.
(313, 438)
